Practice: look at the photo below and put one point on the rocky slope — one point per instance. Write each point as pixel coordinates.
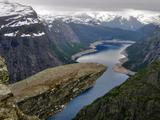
(8, 108)
(23, 42)
(66, 42)
(47, 92)
(3, 72)
(137, 99)
(143, 52)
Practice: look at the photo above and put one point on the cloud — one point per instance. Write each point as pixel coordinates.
(66, 5)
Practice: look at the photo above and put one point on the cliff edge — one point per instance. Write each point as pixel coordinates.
(47, 92)
(8, 108)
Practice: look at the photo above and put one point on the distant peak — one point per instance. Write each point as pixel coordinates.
(8, 9)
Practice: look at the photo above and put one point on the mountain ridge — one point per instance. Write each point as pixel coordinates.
(24, 43)
(129, 19)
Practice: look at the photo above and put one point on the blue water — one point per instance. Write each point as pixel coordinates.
(109, 56)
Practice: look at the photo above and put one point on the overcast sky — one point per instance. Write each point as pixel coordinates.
(97, 5)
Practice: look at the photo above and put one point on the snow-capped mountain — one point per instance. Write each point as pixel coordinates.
(13, 16)
(126, 19)
(24, 42)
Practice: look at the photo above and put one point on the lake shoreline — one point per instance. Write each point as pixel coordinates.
(92, 47)
(108, 55)
(119, 66)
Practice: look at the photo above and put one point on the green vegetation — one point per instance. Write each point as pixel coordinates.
(3, 72)
(138, 98)
(143, 52)
(64, 51)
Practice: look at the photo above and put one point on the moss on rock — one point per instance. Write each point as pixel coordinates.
(3, 72)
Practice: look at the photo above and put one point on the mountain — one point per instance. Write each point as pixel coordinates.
(90, 33)
(143, 52)
(24, 43)
(87, 33)
(136, 99)
(66, 42)
(128, 24)
(147, 31)
(125, 19)
(31, 43)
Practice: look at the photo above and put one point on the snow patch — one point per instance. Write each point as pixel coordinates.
(39, 34)
(25, 35)
(28, 21)
(13, 34)
(10, 9)
(33, 34)
(15, 15)
(9, 34)
(98, 17)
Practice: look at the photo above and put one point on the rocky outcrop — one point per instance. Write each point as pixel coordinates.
(47, 92)
(8, 108)
(3, 72)
(23, 42)
(136, 99)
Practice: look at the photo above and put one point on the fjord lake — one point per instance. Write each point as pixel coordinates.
(109, 55)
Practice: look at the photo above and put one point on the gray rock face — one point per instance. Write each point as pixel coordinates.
(60, 30)
(66, 42)
(23, 42)
(47, 92)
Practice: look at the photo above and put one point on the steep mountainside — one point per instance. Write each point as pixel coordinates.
(136, 99)
(23, 42)
(66, 42)
(143, 52)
